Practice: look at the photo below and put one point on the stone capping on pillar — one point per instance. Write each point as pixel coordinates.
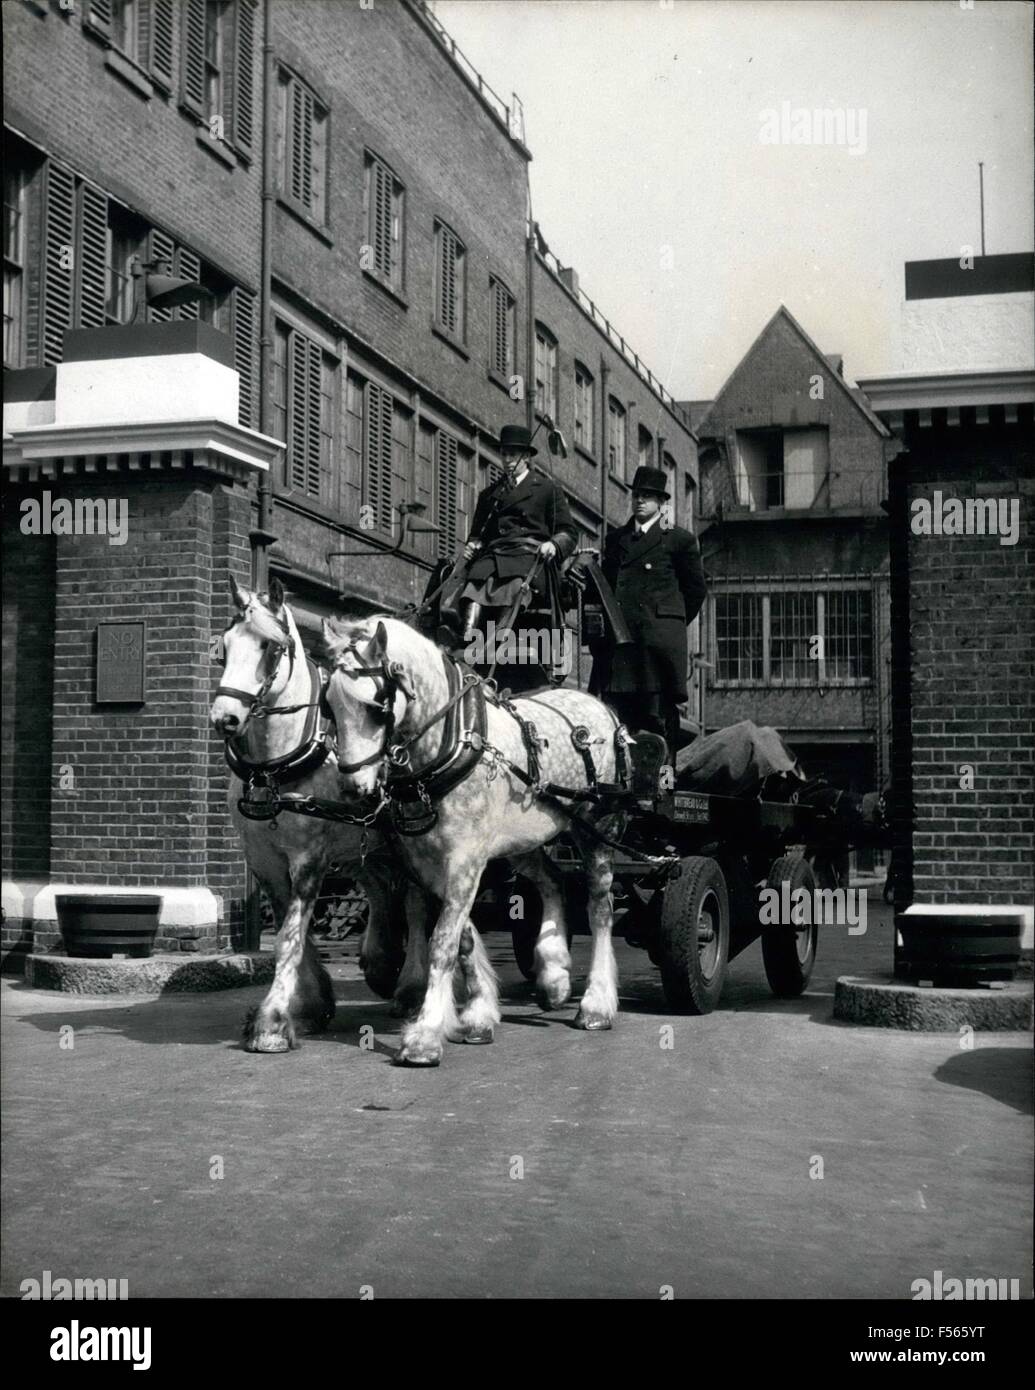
(933, 390)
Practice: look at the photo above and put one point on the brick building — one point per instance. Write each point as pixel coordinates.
(963, 587)
(359, 222)
(795, 546)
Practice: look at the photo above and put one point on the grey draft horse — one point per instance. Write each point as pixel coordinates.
(263, 703)
(391, 682)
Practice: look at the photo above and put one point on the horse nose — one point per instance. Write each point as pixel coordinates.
(228, 724)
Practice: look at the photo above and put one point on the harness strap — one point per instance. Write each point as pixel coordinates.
(306, 757)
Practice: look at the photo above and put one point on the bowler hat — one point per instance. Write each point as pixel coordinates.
(650, 480)
(517, 437)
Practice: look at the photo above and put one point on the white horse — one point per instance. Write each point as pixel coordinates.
(387, 693)
(267, 708)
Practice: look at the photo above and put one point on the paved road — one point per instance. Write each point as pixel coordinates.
(554, 1163)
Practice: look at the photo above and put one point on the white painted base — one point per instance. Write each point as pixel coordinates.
(33, 900)
(1008, 913)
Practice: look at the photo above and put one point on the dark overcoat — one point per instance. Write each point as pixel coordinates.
(536, 509)
(659, 583)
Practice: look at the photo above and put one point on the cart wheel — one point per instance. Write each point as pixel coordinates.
(789, 954)
(694, 936)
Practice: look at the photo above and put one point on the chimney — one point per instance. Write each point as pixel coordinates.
(570, 279)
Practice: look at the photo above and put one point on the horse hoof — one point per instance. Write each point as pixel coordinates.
(478, 1036)
(554, 997)
(414, 1058)
(268, 1042)
(592, 1023)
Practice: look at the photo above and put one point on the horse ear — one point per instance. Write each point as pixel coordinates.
(276, 594)
(380, 640)
(239, 595)
(332, 638)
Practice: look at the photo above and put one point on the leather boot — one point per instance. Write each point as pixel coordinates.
(470, 612)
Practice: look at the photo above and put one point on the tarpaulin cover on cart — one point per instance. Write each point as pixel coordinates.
(736, 761)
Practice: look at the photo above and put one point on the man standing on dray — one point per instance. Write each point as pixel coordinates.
(522, 515)
(656, 574)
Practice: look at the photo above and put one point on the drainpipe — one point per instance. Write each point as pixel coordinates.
(530, 323)
(605, 372)
(263, 537)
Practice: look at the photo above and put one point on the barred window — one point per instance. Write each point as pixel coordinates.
(738, 637)
(301, 147)
(385, 209)
(501, 346)
(792, 628)
(584, 408)
(848, 634)
(450, 282)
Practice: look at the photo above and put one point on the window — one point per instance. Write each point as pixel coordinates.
(848, 634)
(668, 467)
(792, 628)
(301, 147)
(615, 437)
(218, 88)
(304, 385)
(795, 636)
(545, 372)
(141, 30)
(645, 449)
(450, 283)
(14, 262)
(501, 347)
(584, 408)
(781, 468)
(738, 637)
(124, 242)
(385, 208)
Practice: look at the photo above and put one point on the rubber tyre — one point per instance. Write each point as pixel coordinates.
(787, 954)
(693, 970)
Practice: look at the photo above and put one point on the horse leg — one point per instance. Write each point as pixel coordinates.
(313, 1004)
(271, 1027)
(480, 1015)
(600, 1002)
(413, 980)
(381, 951)
(552, 957)
(422, 1039)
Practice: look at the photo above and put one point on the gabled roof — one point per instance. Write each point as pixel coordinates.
(823, 360)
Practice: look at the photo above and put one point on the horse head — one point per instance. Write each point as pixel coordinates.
(254, 646)
(368, 695)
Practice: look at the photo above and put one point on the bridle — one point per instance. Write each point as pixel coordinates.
(390, 677)
(253, 700)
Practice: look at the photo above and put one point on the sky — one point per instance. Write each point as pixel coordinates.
(665, 166)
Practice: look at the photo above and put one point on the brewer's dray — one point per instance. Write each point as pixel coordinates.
(688, 886)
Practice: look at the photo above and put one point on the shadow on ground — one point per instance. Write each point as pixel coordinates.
(1004, 1073)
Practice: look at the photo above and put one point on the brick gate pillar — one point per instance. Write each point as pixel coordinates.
(131, 503)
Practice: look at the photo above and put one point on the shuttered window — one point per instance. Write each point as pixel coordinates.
(303, 398)
(501, 347)
(447, 493)
(450, 283)
(378, 408)
(217, 77)
(142, 30)
(301, 147)
(385, 203)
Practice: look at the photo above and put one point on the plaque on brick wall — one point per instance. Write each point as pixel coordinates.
(120, 663)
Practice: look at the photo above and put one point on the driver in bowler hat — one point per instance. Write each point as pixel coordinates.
(656, 573)
(522, 514)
